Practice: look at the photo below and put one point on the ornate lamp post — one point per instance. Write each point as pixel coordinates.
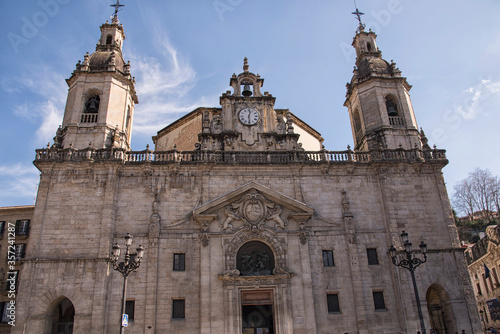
(126, 267)
(411, 263)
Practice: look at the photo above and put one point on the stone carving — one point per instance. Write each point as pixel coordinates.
(254, 209)
(274, 214)
(58, 138)
(216, 125)
(348, 219)
(303, 234)
(255, 263)
(231, 215)
(154, 221)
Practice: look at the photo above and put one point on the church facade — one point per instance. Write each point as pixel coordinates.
(249, 224)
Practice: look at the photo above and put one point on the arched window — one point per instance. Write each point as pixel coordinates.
(356, 121)
(391, 105)
(369, 46)
(92, 105)
(255, 258)
(63, 317)
(109, 39)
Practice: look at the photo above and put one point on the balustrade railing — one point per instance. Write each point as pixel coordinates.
(238, 157)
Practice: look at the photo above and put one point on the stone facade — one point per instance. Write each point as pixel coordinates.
(483, 259)
(250, 229)
(15, 226)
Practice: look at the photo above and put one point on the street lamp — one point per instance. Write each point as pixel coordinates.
(125, 268)
(411, 263)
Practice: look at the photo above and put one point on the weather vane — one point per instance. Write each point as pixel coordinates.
(117, 6)
(358, 14)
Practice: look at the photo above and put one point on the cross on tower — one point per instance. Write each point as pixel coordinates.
(358, 14)
(117, 6)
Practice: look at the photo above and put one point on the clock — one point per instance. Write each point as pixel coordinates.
(248, 116)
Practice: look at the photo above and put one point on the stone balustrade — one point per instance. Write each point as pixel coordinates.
(239, 157)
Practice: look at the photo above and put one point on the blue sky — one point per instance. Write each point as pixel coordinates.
(184, 52)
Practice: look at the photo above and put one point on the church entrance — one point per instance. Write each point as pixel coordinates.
(257, 312)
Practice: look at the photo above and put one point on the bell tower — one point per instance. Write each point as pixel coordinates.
(101, 96)
(378, 99)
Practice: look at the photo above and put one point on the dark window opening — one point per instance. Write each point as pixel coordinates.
(178, 309)
(332, 300)
(179, 262)
(372, 256)
(378, 300)
(23, 227)
(19, 252)
(2, 228)
(392, 108)
(328, 258)
(130, 309)
(92, 105)
(109, 39)
(369, 47)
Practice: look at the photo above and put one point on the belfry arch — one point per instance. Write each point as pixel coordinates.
(440, 311)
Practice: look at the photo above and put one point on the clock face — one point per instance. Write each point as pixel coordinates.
(248, 116)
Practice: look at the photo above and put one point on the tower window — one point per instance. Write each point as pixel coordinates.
(369, 47)
(92, 105)
(109, 39)
(391, 105)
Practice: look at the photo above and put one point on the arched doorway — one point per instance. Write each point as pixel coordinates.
(255, 258)
(63, 314)
(440, 312)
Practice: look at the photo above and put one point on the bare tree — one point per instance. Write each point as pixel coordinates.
(480, 191)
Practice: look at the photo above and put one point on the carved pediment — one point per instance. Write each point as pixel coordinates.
(252, 206)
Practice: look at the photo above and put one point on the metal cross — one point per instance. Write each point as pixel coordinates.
(358, 14)
(117, 6)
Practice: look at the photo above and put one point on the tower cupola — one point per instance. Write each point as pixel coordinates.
(101, 96)
(378, 99)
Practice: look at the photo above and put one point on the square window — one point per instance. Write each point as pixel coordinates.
(23, 227)
(378, 300)
(332, 300)
(328, 258)
(4, 307)
(178, 309)
(179, 262)
(19, 251)
(372, 256)
(130, 309)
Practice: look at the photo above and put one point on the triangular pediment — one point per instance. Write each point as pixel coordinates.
(253, 206)
(236, 194)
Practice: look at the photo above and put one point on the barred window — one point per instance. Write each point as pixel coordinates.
(328, 258)
(332, 300)
(378, 300)
(178, 309)
(179, 261)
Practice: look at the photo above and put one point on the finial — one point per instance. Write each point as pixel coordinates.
(245, 64)
(117, 6)
(358, 15)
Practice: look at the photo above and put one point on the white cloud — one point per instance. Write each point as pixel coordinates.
(478, 99)
(163, 86)
(50, 87)
(18, 180)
